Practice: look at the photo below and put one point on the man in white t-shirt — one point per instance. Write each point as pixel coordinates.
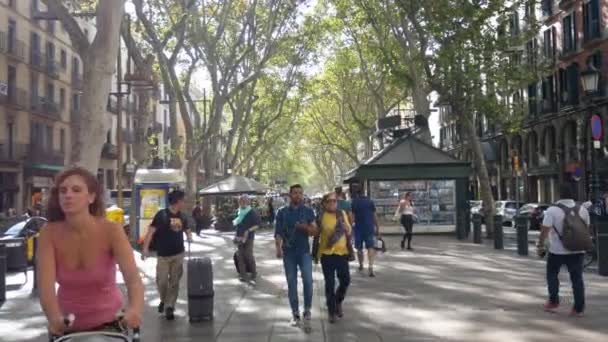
(552, 226)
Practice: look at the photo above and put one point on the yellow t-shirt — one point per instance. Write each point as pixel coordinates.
(328, 226)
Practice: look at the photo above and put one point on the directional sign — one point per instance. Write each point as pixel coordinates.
(596, 127)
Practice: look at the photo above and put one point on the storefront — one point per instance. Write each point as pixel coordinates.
(438, 182)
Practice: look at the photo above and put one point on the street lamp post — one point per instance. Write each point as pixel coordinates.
(590, 83)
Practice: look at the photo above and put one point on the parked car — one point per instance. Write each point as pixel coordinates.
(535, 212)
(16, 236)
(508, 209)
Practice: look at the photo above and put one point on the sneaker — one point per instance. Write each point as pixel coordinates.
(307, 322)
(161, 307)
(371, 273)
(551, 307)
(295, 321)
(360, 268)
(169, 314)
(575, 313)
(339, 310)
(409, 248)
(252, 282)
(402, 245)
(332, 318)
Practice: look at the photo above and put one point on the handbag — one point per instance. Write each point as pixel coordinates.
(380, 245)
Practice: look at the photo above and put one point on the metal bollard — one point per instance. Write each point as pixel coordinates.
(489, 233)
(2, 273)
(477, 228)
(498, 233)
(35, 267)
(601, 228)
(521, 224)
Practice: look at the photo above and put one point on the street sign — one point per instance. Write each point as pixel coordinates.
(596, 127)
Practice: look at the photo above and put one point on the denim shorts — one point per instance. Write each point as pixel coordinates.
(364, 237)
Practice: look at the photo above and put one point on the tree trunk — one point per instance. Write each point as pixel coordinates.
(192, 180)
(485, 187)
(99, 65)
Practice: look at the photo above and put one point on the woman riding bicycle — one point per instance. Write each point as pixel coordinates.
(79, 249)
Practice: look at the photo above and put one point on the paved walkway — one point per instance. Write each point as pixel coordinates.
(443, 291)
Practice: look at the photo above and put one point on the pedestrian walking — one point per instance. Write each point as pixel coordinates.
(197, 215)
(560, 225)
(246, 222)
(365, 228)
(405, 211)
(271, 214)
(343, 203)
(167, 230)
(334, 252)
(295, 223)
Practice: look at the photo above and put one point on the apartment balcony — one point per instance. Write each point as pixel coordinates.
(39, 154)
(15, 98)
(52, 68)
(37, 61)
(109, 151)
(50, 108)
(13, 48)
(12, 152)
(77, 82)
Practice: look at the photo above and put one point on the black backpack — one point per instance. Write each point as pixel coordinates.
(575, 232)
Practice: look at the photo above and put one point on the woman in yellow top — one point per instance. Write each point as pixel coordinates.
(334, 234)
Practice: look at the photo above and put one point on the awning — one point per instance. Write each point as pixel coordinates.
(235, 185)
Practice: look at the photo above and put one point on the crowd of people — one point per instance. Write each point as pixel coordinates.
(79, 250)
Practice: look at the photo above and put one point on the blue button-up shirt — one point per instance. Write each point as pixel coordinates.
(294, 240)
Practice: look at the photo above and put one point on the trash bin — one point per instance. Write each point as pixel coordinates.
(16, 254)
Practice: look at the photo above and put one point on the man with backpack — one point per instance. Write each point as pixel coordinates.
(167, 230)
(567, 226)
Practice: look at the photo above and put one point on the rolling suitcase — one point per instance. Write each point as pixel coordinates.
(200, 288)
(236, 263)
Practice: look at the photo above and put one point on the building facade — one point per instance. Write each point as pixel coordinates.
(40, 89)
(555, 143)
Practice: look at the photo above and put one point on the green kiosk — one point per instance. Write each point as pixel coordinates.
(438, 182)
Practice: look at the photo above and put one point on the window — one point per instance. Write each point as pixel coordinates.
(595, 60)
(49, 138)
(532, 100)
(75, 103)
(591, 20)
(50, 53)
(35, 49)
(549, 44)
(569, 33)
(62, 98)
(531, 48)
(64, 59)
(548, 92)
(109, 136)
(547, 7)
(569, 83)
(10, 129)
(62, 140)
(12, 82)
(75, 66)
(514, 24)
(12, 35)
(34, 84)
(50, 92)
(50, 26)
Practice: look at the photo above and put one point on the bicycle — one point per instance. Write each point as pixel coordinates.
(96, 336)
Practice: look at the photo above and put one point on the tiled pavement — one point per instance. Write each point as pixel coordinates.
(445, 290)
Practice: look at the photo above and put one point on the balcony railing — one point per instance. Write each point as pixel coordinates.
(12, 152)
(39, 154)
(50, 107)
(16, 98)
(13, 48)
(109, 151)
(37, 61)
(52, 68)
(77, 80)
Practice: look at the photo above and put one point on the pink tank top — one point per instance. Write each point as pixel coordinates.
(92, 295)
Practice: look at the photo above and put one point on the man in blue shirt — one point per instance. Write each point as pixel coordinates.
(295, 223)
(365, 226)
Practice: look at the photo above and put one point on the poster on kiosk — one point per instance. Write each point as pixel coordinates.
(152, 186)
